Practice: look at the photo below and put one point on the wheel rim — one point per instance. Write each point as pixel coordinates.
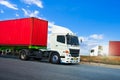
(22, 55)
(54, 58)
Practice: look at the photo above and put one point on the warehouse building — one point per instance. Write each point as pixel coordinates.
(99, 51)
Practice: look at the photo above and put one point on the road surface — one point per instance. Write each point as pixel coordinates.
(15, 69)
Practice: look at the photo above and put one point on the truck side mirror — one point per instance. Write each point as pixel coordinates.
(81, 40)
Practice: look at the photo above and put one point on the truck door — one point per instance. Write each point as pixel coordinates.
(60, 44)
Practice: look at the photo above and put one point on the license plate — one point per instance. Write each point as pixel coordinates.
(75, 58)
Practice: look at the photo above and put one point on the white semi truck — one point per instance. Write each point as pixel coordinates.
(27, 37)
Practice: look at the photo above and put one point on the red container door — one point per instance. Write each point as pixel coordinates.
(39, 32)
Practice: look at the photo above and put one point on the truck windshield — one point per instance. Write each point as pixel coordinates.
(72, 40)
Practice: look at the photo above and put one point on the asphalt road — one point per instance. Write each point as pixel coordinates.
(15, 69)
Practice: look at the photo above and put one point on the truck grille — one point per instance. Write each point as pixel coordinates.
(74, 52)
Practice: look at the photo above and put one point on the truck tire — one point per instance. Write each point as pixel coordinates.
(55, 58)
(23, 54)
(0, 52)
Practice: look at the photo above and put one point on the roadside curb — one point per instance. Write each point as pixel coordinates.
(102, 65)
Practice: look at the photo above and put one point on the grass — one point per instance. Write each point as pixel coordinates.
(115, 60)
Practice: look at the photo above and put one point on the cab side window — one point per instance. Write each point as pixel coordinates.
(61, 39)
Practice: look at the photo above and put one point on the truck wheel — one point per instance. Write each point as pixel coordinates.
(24, 54)
(55, 58)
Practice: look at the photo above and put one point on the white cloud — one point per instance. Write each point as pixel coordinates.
(35, 2)
(93, 39)
(1, 11)
(28, 6)
(96, 36)
(29, 13)
(17, 15)
(8, 4)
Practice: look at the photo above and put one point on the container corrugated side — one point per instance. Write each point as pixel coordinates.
(22, 32)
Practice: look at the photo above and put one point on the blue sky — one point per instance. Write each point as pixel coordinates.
(95, 21)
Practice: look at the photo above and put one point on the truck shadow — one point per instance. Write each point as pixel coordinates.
(9, 56)
(68, 64)
(36, 60)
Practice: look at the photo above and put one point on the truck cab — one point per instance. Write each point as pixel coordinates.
(67, 47)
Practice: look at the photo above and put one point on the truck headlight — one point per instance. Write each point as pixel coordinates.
(66, 51)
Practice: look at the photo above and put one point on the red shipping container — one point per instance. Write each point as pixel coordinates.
(114, 48)
(23, 32)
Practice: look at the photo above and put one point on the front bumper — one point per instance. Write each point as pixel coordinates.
(70, 60)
